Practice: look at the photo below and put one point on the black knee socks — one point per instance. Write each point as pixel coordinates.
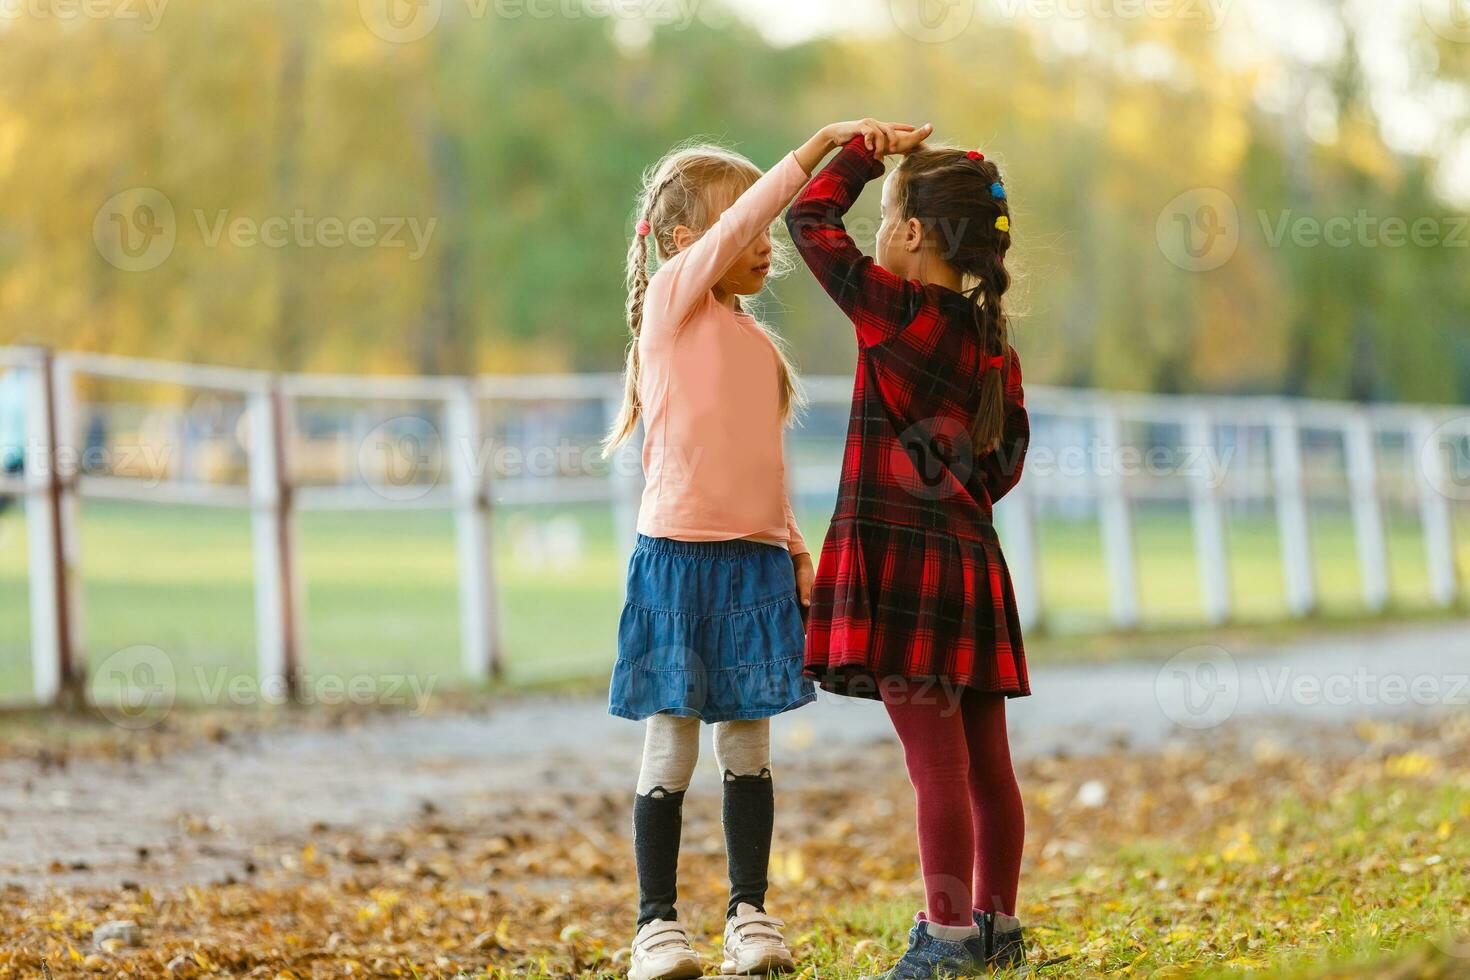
(658, 822)
(750, 815)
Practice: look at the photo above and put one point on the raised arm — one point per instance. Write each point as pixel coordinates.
(1000, 470)
(878, 303)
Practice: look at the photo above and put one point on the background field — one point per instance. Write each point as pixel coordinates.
(380, 588)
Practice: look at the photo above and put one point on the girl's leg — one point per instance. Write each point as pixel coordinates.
(932, 732)
(743, 751)
(1000, 822)
(670, 751)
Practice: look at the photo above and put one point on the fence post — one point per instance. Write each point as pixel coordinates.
(1209, 523)
(277, 604)
(627, 482)
(1291, 513)
(57, 676)
(1017, 515)
(1434, 513)
(1115, 516)
(1362, 471)
(478, 619)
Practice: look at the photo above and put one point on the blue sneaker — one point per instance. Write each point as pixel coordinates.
(928, 958)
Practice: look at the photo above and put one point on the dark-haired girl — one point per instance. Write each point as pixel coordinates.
(913, 603)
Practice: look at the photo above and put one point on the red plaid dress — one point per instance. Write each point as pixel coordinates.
(911, 582)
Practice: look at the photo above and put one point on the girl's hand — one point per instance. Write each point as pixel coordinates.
(880, 137)
(805, 575)
(904, 139)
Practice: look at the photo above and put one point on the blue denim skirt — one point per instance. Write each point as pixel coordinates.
(710, 630)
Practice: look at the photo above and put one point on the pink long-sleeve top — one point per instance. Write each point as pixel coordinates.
(710, 386)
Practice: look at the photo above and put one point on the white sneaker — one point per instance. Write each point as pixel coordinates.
(661, 951)
(753, 943)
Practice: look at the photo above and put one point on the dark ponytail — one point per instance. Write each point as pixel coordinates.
(959, 196)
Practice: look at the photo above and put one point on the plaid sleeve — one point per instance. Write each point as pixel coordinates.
(1000, 470)
(878, 303)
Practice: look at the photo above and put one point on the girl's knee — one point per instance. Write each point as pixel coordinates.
(743, 748)
(670, 753)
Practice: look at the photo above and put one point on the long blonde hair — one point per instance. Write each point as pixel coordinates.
(684, 188)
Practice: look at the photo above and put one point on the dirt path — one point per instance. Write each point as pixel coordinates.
(207, 814)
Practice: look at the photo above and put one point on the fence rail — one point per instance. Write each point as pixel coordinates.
(1268, 441)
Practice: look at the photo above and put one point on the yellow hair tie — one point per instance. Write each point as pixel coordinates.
(1003, 223)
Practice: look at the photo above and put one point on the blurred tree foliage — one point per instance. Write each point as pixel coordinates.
(521, 139)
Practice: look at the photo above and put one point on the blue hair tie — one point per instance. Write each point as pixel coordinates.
(998, 190)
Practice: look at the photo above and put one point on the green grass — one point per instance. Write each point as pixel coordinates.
(1348, 888)
(380, 594)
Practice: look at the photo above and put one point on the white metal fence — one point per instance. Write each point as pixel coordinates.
(270, 441)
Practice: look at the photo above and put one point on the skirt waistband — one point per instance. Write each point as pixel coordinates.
(702, 549)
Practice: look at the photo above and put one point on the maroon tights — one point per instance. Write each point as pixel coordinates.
(971, 824)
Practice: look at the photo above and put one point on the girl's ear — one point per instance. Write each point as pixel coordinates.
(683, 237)
(913, 235)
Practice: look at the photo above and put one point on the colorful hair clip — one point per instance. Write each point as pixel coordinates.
(1003, 223)
(975, 155)
(642, 227)
(998, 191)
(996, 363)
